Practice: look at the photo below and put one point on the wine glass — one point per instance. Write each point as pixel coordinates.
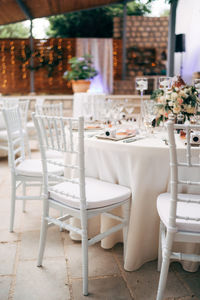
(107, 110)
(165, 83)
(150, 112)
(141, 85)
(197, 84)
(129, 108)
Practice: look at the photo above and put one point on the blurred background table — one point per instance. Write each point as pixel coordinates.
(89, 105)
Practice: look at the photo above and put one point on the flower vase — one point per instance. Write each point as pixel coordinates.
(80, 86)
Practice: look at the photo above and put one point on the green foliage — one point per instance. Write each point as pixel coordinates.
(17, 30)
(80, 68)
(92, 23)
(42, 61)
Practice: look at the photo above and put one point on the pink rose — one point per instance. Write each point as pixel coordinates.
(180, 100)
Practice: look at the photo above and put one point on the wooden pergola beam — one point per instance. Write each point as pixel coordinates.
(24, 9)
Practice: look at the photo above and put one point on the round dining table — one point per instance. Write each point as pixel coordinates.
(142, 165)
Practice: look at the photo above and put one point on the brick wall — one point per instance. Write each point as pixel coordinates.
(146, 44)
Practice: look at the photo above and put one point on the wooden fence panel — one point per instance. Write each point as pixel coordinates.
(52, 54)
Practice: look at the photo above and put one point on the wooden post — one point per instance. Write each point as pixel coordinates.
(32, 83)
(171, 38)
(124, 41)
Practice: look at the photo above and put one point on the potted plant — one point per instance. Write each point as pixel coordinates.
(80, 73)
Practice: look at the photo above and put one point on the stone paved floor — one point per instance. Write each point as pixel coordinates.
(60, 278)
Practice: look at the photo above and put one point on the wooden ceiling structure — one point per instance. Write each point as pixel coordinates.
(12, 11)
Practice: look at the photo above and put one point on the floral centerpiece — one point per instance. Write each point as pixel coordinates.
(180, 98)
(81, 70)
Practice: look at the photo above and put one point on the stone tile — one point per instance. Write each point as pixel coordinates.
(110, 288)
(5, 220)
(7, 258)
(33, 215)
(189, 279)
(8, 237)
(4, 287)
(101, 262)
(30, 244)
(144, 283)
(33, 283)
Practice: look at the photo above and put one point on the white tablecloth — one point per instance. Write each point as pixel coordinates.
(144, 167)
(88, 105)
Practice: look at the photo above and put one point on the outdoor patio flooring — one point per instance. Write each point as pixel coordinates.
(60, 277)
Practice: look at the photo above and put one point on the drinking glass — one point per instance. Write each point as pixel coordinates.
(129, 108)
(107, 111)
(141, 85)
(165, 83)
(150, 112)
(197, 85)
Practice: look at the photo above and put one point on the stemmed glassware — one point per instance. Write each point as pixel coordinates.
(197, 86)
(165, 84)
(141, 85)
(149, 114)
(129, 108)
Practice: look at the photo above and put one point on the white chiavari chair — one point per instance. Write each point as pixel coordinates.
(80, 197)
(54, 109)
(24, 171)
(30, 125)
(5, 103)
(179, 212)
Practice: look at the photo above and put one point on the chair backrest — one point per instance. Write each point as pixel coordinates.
(188, 159)
(55, 109)
(56, 133)
(15, 135)
(8, 103)
(23, 109)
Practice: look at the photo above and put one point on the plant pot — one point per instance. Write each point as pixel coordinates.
(80, 86)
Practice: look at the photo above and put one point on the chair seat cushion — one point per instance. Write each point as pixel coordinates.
(98, 193)
(183, 209)
(30, 125)
(3, 135)
(33, 167)
(54, 154)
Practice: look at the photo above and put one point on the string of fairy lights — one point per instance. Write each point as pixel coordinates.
(14, 72)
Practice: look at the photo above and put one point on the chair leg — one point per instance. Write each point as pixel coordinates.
(165, 266)
(160, 246)
(27, 145)
(13, 199)
(85, 260)
(24, 194)
(61, 214)
(43, 235)
(126, 214)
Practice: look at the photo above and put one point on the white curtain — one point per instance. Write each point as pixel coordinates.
(188, 22)
(102, 53)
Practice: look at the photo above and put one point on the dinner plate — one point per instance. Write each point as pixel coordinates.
(117, 138)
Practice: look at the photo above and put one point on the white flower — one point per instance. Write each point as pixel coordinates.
(176, 110)
(171, 103)
(174, 96)
(162, 99)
